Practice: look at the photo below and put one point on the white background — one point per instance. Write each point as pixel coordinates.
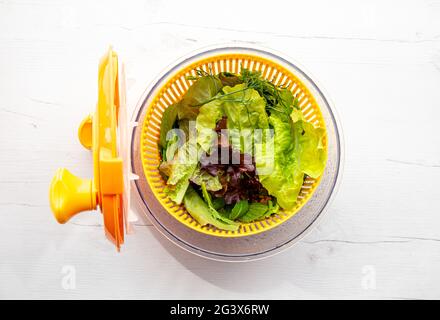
(380, 62)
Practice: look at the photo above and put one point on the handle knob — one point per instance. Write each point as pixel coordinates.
(85, 132)
(70, 195)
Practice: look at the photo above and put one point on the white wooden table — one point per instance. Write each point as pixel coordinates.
(380, 62)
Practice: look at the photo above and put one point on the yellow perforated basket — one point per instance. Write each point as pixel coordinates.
(172, 90)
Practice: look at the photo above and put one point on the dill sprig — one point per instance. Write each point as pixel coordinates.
(268, 90)
(201, 73)
(221, 97)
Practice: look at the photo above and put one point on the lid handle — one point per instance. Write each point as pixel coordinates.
(70, 195)
(85, 130)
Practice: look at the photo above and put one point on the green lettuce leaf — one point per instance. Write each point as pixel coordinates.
(298, 150)
(245, 110)
(172, 146)
(272, 209)
(309, 146)
(165, 169)
(169, 153)
(285, 182)
(177, 192)
(277, 96)
(285, 179)
(255, 211)
(285, 98)
(218, 204)
(200, 211)
(229, 79)
(166, 124)
(202, 177)
(216, 215)
(202, 90)
(206, 121)
(184, 126)
(183, 167)
(239, 209)
(258, 211)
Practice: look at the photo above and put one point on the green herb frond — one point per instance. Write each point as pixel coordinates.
(267, 89)
(200, 73)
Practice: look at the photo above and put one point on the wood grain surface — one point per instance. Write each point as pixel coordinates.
(378, 60)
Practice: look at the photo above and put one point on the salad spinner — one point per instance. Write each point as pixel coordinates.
(126, 181)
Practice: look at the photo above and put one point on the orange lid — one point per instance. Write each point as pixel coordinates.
(100, 132)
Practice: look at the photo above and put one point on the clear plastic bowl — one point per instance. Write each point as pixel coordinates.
(254, 246)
